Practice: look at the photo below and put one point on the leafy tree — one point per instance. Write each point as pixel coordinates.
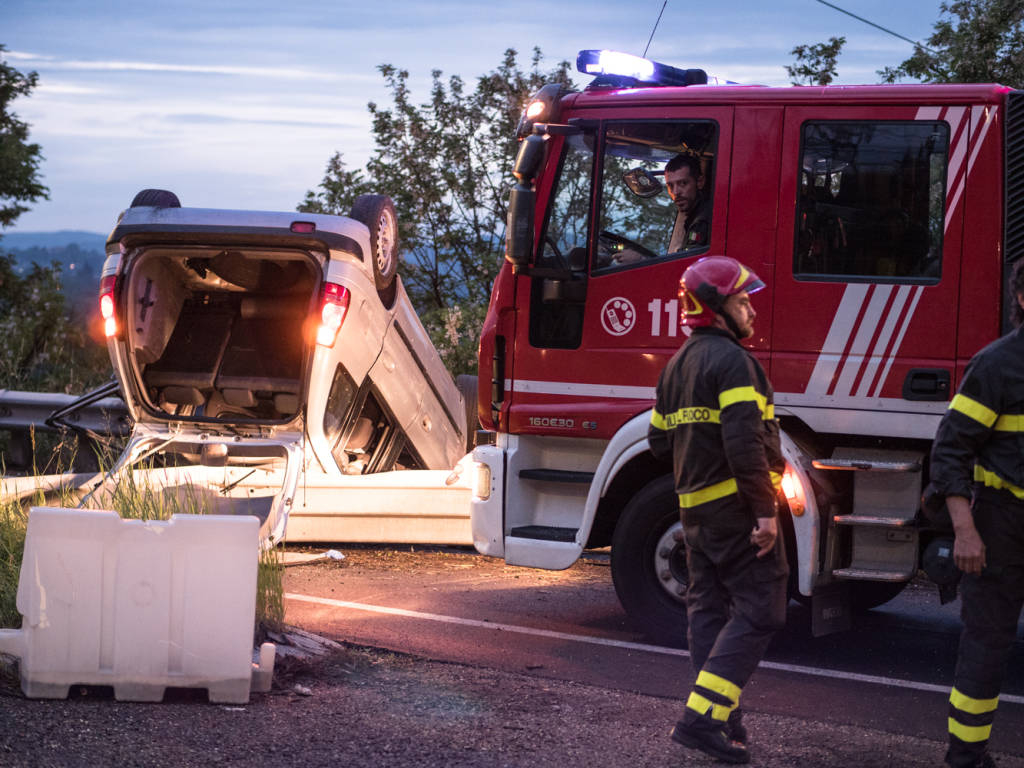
(447, 164)
(975, 41)
(816, 64)
(44, 348)
(19, 160)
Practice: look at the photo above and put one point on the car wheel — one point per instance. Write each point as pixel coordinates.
(377, 212)
(649, 565)
(156, 198)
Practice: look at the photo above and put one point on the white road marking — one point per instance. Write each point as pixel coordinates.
(814, 671)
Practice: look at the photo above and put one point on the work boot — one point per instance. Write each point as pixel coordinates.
(711, 741)
(961, 759)
(734, 727)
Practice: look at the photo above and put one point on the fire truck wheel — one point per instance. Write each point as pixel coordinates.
(377, 212)
(649, 565)
(865, 595)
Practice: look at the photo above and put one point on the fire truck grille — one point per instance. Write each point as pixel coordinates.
(1014, 239)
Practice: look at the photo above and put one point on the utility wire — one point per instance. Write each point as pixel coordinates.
(656, 23)
(876, 26)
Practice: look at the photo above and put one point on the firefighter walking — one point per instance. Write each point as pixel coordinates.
(714, 415)
(977, 456)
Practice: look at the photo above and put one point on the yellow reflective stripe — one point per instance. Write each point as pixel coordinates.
(965, 703)
(713, 682)
(980, 413)
(776, 479)
(657, 420)
(742, 395)
(970, 733)
(744, 274)
(1010, 422)
(992, 480)
(704, 495)
(769, 412)
(691, 416)
(702, 706)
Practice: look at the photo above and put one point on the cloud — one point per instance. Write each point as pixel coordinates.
(279, 73)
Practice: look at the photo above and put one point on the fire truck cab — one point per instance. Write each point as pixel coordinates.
(883, 220)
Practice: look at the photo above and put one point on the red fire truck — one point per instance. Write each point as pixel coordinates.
(883, 220)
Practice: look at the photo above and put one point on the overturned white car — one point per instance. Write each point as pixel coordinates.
(270, 361)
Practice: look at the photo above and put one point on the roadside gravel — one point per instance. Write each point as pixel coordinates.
(366, 707)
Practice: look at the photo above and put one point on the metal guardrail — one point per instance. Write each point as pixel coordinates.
(47, 411)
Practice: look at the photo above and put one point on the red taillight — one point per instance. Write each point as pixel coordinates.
(332, 313)
(107, 305)
(303, 226)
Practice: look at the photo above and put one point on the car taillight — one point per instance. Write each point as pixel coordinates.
(107, 305)
(332, 313)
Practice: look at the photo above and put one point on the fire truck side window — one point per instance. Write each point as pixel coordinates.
(639, 219)
(570, 206)
(872, 201)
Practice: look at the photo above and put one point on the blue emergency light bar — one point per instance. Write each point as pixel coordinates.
(623, 70)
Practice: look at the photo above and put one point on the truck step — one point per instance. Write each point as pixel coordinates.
(869, 574)
(878, 520)
(556, 475)
(867, 465)
(544, 532)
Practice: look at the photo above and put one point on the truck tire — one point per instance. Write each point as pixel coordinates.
(865, 595)
(649, 566)
(155, 198)
(467, 387)
(377, 212)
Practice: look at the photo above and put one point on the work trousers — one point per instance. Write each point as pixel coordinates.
(990, 609)
(735, 603)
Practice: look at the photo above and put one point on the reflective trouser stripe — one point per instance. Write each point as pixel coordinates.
(968, 716)
(704, 707)
(712, 492)
(972, 706)
(776, 479)
(969, 733)
(719, 685)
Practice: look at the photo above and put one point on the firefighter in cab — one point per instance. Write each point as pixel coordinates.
(714, 416)
(976, 469)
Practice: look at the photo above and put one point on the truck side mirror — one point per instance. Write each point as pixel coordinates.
(519, 230)
(529, 158)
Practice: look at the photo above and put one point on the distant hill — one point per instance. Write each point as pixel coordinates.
(87, 241)
(80, 255)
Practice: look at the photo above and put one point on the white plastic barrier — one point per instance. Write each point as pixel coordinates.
(140, 606)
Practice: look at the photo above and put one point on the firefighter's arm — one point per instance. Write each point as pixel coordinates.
(659, 432)
(742, 410)
(968, 548)
(962, 432)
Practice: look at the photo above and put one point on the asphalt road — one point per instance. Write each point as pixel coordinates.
(499, 666)
(890, 673)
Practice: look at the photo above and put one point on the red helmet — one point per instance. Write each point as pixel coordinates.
(707, 283)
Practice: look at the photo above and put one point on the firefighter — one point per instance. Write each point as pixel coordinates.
(685, 181)
(976, 469)
(714, 416)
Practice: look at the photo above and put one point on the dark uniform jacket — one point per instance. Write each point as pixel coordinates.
(980, 441)
(691, 231)
(714, 414)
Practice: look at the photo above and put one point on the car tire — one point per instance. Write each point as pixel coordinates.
(377, 212)
(155, 198)
(649, 566)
